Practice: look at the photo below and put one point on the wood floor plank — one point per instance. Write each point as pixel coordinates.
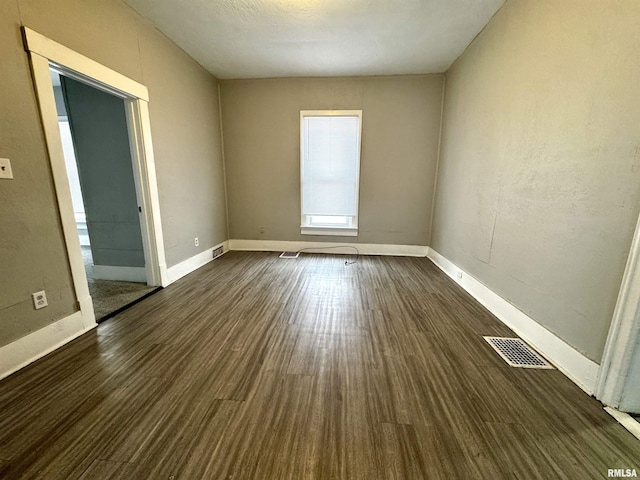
(401, 454)
(492, 396)
(518, 455)
(256, 367)
(178, 439)
(103, 470)
(268, 428)
(68, 447)
(204, 456)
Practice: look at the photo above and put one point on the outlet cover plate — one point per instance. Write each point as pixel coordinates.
(5, 168)
(39, 300)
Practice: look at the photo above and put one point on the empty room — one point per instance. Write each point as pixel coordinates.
(382, 239)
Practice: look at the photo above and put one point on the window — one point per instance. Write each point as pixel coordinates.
(330, 171)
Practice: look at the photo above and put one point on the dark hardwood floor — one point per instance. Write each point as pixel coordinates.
(256, 367)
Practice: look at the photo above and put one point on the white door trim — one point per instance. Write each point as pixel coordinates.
(45, 53)
(49, 116)
(144, 173)
(88, 70)
(624, 333)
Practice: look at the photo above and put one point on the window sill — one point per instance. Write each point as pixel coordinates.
(329, 231)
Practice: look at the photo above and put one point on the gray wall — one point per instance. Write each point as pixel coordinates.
(99, 129)
(185, 128)
(400, 129)
(539, 177)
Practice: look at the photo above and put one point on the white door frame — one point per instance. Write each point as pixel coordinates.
(624, 333)
(44, 54)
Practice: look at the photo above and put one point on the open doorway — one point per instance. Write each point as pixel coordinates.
(95, 142)
(46, 54)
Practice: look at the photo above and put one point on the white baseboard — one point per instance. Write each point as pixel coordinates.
(187, 266)
(28, 349)
(327, 247)
(626, 420)
(123, 274)
(581, 370)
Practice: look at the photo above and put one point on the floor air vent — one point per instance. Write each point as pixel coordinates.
(517, 353)
(289, 254)
(217, 252)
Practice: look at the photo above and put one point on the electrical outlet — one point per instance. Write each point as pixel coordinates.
(39, 300)
(197, 242)
(5, 168)
(261, 229)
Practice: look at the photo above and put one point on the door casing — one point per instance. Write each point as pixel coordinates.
(45, 54)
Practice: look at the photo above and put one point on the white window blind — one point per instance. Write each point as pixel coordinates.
(330, 164)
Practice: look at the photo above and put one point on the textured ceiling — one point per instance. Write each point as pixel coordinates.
(286, 38)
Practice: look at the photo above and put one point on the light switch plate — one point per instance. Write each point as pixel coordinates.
(5, 168)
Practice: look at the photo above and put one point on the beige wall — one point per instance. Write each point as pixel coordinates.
(185, 128)
(401, 123)
(185, 124)
(539, 177)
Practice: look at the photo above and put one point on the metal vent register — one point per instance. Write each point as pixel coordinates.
(517, 353)
(289, 254)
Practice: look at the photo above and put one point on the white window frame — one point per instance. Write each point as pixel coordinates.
(349, 228)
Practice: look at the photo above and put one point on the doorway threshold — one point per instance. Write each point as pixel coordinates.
(627, 421)
(128, 305)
